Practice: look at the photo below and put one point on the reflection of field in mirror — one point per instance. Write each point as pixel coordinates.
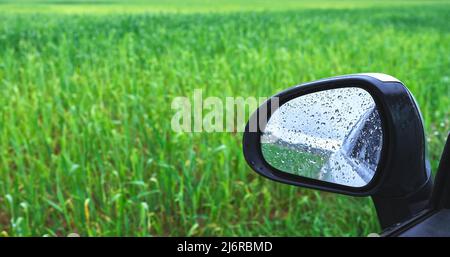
(290, 160)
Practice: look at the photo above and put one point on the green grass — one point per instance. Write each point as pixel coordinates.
(85, 137)
(193, 6)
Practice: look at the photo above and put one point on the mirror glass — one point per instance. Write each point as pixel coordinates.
(333, 135)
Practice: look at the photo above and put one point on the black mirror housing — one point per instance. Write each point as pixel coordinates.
(402, 170)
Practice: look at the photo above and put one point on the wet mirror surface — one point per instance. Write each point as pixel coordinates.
(333, 135)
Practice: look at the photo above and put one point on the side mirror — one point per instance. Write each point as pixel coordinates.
(359, 135)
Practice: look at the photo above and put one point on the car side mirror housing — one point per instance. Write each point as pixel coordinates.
(359, 135)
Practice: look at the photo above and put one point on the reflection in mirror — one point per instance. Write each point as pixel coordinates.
(333, 135)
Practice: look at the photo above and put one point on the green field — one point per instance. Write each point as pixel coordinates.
(85, 137)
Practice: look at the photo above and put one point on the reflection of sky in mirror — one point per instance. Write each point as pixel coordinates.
(320, 120)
